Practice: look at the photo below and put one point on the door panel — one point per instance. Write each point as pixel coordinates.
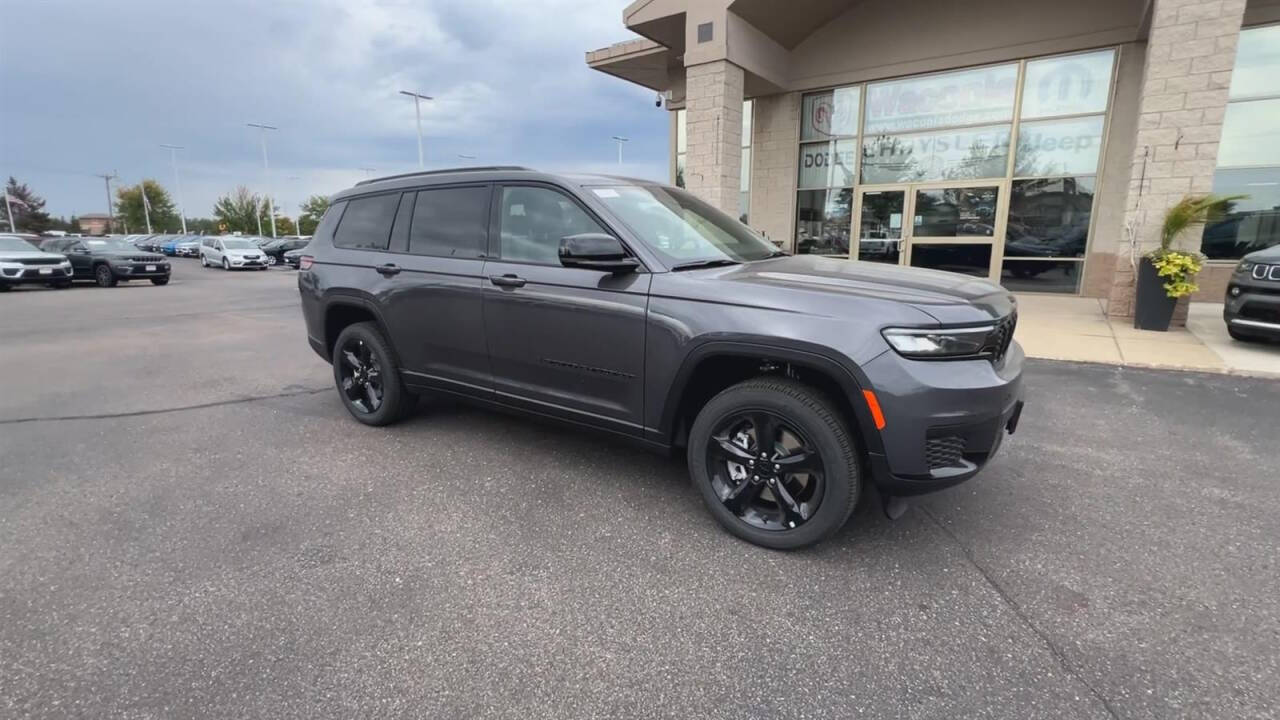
(881, 225)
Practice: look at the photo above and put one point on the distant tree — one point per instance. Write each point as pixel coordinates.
(312, 210)
(240, 211)
(129, 205)
(202, 226)
(28, 209)
(284, 226)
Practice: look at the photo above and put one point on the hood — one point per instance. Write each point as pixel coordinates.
(1269, 255)
(947, 297)
(242, 252)
(134, 255)
(32, 254)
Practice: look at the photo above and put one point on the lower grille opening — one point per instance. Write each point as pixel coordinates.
(942, 452)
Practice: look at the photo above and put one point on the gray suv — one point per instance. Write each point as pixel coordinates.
(795, 383)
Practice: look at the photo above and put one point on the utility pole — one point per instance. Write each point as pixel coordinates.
(417, 109)
(368, 172)
(266, 174)
(146, 206)
(107, 178)
(620, 140)
(177, 184)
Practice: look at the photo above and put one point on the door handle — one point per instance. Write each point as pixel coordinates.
(388, 270)
(507, 280)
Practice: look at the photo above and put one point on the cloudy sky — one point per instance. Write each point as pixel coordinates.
(90, 87)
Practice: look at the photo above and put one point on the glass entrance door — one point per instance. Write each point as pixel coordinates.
(955, 228)
(881, 225)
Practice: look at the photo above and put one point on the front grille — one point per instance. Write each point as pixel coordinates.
(943, 452)
(1264, 313)
(41, 261)
(1001, 337)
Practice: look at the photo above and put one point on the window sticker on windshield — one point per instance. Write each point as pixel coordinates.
(606, 192)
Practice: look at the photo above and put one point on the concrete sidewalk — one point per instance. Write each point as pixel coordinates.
(1075, 328)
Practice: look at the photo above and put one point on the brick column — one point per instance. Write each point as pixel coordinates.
(774, 152)
(713, 124)
(1190, 54)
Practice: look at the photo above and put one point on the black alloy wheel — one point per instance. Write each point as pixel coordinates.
(104, 277)
(775, 462)
(365, 370)
(272, 260)
(764, 470)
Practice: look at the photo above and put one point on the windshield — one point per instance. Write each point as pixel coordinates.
(100, 244)
(682, 228)
(237, 244)
(15, 244)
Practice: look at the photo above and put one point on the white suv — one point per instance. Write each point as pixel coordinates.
(231, 252)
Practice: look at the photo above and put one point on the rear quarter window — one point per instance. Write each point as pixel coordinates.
(366, 223)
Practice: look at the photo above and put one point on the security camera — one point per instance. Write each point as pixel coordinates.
(658, 102)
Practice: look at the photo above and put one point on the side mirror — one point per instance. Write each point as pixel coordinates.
(596, 251)
(79, 251)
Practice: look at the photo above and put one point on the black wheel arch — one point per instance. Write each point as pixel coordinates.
(343, 308)
(728, 362)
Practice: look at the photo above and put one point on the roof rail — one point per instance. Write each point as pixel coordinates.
(444, 171)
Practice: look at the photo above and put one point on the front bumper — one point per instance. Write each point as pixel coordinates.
(31, 275)
(139, 270)
(1255, 311)
(944, 420)
(242, 263)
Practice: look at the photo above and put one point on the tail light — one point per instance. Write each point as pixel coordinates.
(305, 262)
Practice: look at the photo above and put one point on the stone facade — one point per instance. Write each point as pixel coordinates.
(713, 128)
(1190, 54)
(774, 150)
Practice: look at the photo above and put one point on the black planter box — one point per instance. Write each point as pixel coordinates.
(1152, 306)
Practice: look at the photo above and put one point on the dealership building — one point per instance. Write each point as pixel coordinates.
(1036, 143)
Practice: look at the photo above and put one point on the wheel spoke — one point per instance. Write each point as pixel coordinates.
(793, 513)
(366, 355)
(350, 388)
(799, 461)
(766, 429)
(374, 401)
(726, 449)
(741, 496)
(352, 360)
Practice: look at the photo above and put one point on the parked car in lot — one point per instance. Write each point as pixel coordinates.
(33, 241)
(187, 247)
(1252, 306)
(230, 252)
(109, 260)
(293, 257)
(794, 383)
(170, 247)
(21, 264)
(275, 249)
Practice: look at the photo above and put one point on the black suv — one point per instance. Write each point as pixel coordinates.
(109, 260)
(795, 382)
(1252, 307)
(275, 249)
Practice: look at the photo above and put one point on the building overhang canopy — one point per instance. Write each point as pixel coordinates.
(641, 61)
(788, 23)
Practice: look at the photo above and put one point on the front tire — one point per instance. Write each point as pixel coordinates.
(368, 376)
(160, 281)
(775, 463)
(204, 261)
(271, 260)
(226, 264)
(104, 277)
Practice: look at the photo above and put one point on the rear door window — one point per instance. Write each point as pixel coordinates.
(451, 222)
(366, 223)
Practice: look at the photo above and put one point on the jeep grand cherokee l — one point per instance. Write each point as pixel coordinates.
(795, 383)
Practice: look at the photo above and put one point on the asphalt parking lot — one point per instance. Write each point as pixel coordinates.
(191, 526)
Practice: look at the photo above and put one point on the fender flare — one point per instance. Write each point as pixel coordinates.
(356, 299)
(846, 374)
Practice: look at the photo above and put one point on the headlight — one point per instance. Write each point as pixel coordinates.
(1245, 266)
(11, 266)
(939, 342)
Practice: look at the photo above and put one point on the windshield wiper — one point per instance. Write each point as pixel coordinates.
(693, 264)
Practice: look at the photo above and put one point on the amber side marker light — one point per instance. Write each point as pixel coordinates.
(874, 406)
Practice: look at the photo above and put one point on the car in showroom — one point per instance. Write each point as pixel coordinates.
(1252, 306)
(21, 264)
(275, 249)
(109, 260)
(231, 253)
(795, 385)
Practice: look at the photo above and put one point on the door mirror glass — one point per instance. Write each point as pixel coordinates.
(595, 251)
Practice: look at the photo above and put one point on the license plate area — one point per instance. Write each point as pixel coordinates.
(151, 268)
(46, 271)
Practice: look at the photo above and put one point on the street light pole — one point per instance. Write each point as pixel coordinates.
(111, 213)
(177, 184)
(368, 172)
(266, 174)
(620, 140)
(146, 207)
(417, 111)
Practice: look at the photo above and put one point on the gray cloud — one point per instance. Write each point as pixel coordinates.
(89, 87)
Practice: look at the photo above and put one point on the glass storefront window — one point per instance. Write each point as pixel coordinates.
(955, 212)
(822, 222)
(1059, 147)
(1257, 60)
(1067, 85)
(944, 155)
(827, 164)
(969, 259)
(1049, 218)
(880, 226)
(829, 114)
(1252, 223)
(1251, 133)
(967, 97)
(1045, 276)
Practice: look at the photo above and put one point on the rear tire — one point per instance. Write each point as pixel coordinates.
(815, 428)
(361, 345)
(104, 277)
